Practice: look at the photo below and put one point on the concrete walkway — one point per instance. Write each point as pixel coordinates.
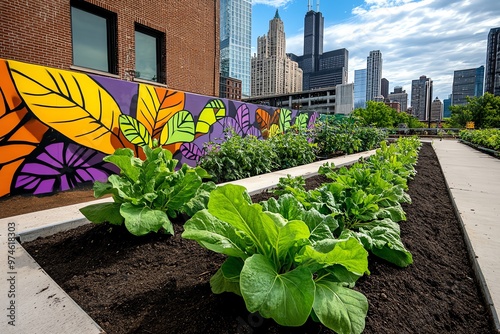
(42, 307)
(473, 179)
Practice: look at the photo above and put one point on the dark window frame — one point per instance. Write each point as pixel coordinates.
(111, 31)
(160, 50)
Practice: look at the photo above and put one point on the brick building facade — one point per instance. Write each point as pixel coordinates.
(40, 32)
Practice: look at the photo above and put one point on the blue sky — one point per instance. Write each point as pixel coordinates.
(416, 37)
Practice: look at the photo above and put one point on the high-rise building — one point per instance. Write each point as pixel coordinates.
(235, 41)
(467, 83)
(436, 110)
(344, 101)
(320, 69)
(373, 75)
(384, 88)
(421, 97)
(492, 75)
(360, 88)
(446, 107)
(273, 72)
(399, 95)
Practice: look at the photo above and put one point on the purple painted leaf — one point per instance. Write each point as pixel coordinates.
(254, 132)
(243, 118)
(230, 122)
(312, 119)
(62, 166)
(191, 151)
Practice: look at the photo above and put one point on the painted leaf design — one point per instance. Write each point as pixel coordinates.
(19, 134)
(191, 151)
(71, 103)
(243, 118)
(135, 131)
(179, 128)
(274, 130)
(62, 166)
(285, 119)
(265, 120)
(211, 113)
(301, 121)
(156, 105)
(312, 119)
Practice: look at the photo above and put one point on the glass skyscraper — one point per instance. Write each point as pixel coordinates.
(235, 41)
(492, 74)
(360, 88)
(467, 83)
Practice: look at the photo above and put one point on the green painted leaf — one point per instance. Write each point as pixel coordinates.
(301, 121)
(339, 308)
(179, 128)
(211, 113)
(135, 131)
(141, 220)
(103, 212)
(285, 119)
(287, 298)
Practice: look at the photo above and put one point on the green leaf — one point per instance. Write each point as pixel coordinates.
(293, 232)
(103, 188)
(135, 131)
(214, 234)
(287, 298)
(286, 205)
(103, 212)
(348, 253)
(230, 203)
(141, 220)
(183, 190)
(199, 200)
(321, 226)
(340, 309)
(124, 159)
(179, 128)
(227, 278)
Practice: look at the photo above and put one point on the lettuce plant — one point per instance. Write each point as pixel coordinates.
(282, 259)
(146, 193)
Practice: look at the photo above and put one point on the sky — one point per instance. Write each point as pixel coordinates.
(416, 37)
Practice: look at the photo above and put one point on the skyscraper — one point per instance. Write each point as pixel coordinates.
(360, 88)
(421, 97)
(273, 72)
(467, 83)
(384, 88)
(235, 41)
(373, 75)
(492, 75)
(436, 110)
(320, 69)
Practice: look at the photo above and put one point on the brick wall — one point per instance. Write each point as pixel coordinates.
(39, 32)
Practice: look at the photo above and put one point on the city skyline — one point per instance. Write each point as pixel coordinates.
(427, 37)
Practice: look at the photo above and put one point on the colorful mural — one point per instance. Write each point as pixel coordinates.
(57, 125)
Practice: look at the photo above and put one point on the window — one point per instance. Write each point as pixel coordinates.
(93, 32)
(149, 60)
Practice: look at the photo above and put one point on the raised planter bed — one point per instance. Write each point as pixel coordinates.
(160, 284)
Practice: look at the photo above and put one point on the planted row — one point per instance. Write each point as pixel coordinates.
(299, 256)
(488, 138)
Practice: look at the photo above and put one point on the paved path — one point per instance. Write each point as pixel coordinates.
(473, 179)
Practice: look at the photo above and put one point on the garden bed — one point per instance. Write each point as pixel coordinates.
(159, 283)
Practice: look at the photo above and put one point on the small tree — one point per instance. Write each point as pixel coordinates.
(484, 111)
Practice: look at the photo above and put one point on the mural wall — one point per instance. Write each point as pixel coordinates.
(56, 125)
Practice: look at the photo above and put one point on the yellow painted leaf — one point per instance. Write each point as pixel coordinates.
(135, 131)
(274, 130)
(179, 128)
(211, 113)
(71, 103)
(156, 105)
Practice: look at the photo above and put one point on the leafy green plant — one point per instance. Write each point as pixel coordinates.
(366, 199)
(282, 259)
(488, 138)
(297, 182)
(292, 149)
(146, 193)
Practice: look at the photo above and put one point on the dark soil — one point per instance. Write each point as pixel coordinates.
(160, 284)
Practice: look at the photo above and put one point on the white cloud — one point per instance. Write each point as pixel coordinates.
(427, 37)
(272, 3)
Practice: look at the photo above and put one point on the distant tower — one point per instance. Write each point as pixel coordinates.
(436, 110)
(360, 88)
(236, 40)
(467, 83)
(399, 95)
(492, 75)
(384, 88)
(373, 75)
(421, 97)
(313, 40)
